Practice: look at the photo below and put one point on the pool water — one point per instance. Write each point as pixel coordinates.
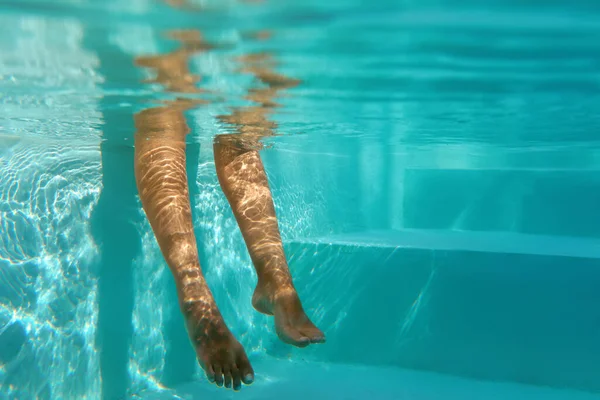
(435, 169)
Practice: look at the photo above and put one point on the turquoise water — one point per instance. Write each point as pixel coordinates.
(435, 173)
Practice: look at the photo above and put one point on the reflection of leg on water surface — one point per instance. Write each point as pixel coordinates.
(172, 70)
(184, 5)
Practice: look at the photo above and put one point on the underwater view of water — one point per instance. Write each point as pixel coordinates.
(435, 168)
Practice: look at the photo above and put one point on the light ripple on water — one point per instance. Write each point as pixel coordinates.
(48, 306)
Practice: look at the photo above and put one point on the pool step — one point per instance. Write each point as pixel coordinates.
(497, 306)
(481, 305)
(277, 379)
(454, 240)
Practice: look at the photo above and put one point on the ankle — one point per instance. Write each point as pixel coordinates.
(274, 288)
(271, 263)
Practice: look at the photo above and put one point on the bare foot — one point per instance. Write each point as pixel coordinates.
(291, 323)
(220, 355)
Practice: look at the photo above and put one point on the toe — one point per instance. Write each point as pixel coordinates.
(227, 376)
(314, 334)
(218, 375)
(210, 374)
(303, 342)
(292, 336)
(236, 376)
(318, 339)
(246, 371)
(248, 378)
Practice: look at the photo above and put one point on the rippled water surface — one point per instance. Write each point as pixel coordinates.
(442, 117)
